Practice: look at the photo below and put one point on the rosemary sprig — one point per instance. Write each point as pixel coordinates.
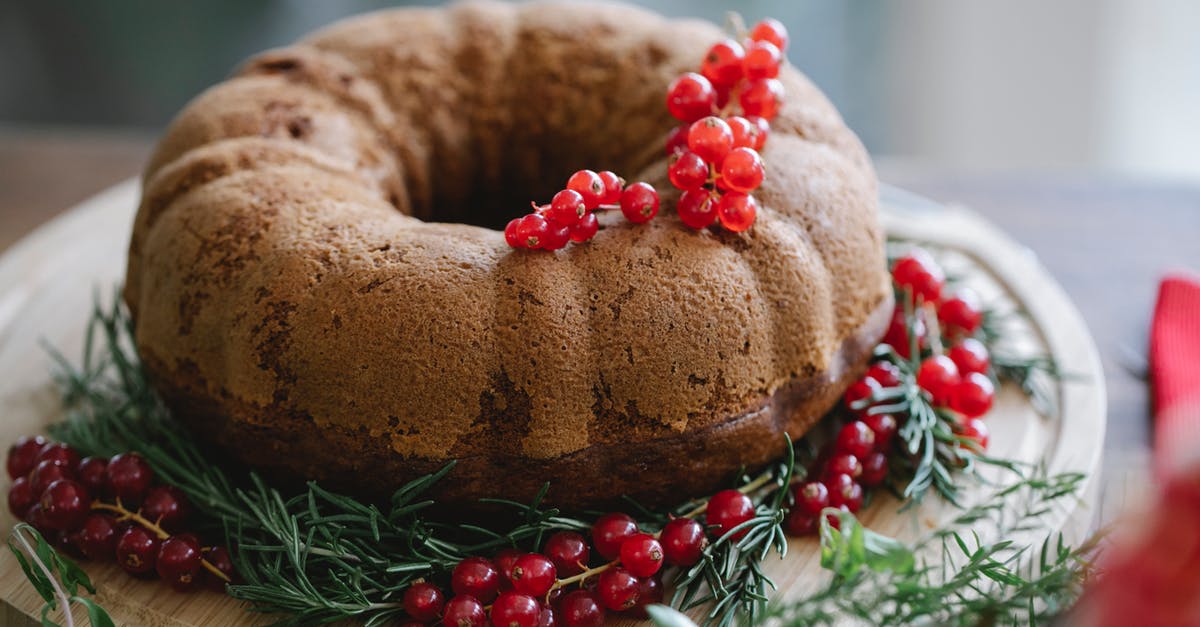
(56, 578)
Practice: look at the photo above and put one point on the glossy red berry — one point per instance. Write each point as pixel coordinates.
(65, 504)
(168, 506)
(513, 609)
(858, 396)
(771, 30)
(898, 337)
(737, 211)
(710, 138)
(35, 518)
(178, 563)
(568, 551)
(970, 355)
(92, 472)
(580, 609)
(845, 464)
(762, 98)
(688, 171)
(613, 185)
(424, 602)
(568, 207)
(510, 234)
(974, 429)
(97, 537)
(844, 491)
(650, 592)
(218, 557)
(129, 476)
(557, 236)
(464, 610)
(477, 577)
(137, 550)
(874, 470)
(60, 452)
(21, 497)
(610, 531)
(676, 143)
(939, 377)
(696, 208)
(885, 373)
(683, 541)
(639, 203)
(590, 186)
(762, 60)
(617, 589)
(504, 561)
(691, 97)
(961, 314)
(745, 132)
(587, 228)
(918, 273)
(532, 230)
(47, 472)
(726, 510)
(855, 438)
(798, 524)
(973, 396)
(884, 426)
(533, 574)
(23, 455)
(742, 170)
(722, 66)
(811, 498)
(764, 130)
(642, 555)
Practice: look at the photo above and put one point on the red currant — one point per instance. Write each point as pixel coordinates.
(860, 392)
(424, 602)
(723, 63)
(742, 170)
(23, 455)
(580, 609)
(745, 132)
(676, 142)
(532, 230)
(557, 236)
(974, 395)
(617, 589)
(696, 208)
(464, 611)
(939, 376)
(510, 234)
(97, 537)
(168, 506)
(569, 552)
(771, 30)
(639, 203)
(855, 438)
(885, 373)
(642, 555)
(477, 577)
(799, 524)
(533, 574)
(874, 470)
(92, 472)
(610, 531)
(762, 60)
(568, 207)
(613, 185)
(711, 139)
(129, 476)
(961, 314)
(897, 335)
(59, 452)
(762, 98)
(723, 92)
(21, 497)
(65, 504)
(590, 186)
(844, 491)
(688, 171)
(811, 498)
(884, 426)
(737, 211)
(137, 550)
(845, 464)
(764, 129)
(218, 557)
(683, 541)
(728, 509)
(691, 97)
(970, 355)
(650, 592)
(47, 472)
(587, 228)
(504, 561)
(178, 562)
(974, 429)
(918, 273)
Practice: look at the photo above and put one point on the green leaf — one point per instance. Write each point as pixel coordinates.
(852, 547)
(664, 616)
(96, 614)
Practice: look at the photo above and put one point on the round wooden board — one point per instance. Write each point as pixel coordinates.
(49, 280)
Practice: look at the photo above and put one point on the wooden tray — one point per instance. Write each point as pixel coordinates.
(48, 282)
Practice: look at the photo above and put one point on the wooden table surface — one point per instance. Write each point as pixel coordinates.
(1107, 240)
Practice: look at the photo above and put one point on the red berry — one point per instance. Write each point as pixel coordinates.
(939, 376)
(696, 208)
(885, 373)
(60, 452)
(897, 335)
(799, 524)
(510, 234)
(168, 506)
(683, 541)
(973, 396)
(587, 228)
(129, 476)
(590, 186)
(728, 509)
(464, 611)
(97, 537)
(477, 577)
(610, 531)
(617, 589)
(92, 472)
(918, 273)
(532, 231)
(710, 138)
(556, 237)
(513, 609)
(65, 504)
(723, 63)
(580, 609)
(974, 429)
(178, 562)
(874, 470)
(745, 133)
(568, 207)
(676, 142)
(650, 592)
(137, 550)
(961, 314)
(639, 203)
(533, 574)
(855, 438)
(688, 171)
(424, 602)
(737, 211)
(762, 98)
(884, 427)
(691, 97)
(970, 355)
(742, 170)
(47, 472)
(844, 491)
(845, 464)
(21, 497)
(218, 557)
(546, 617)
(642, 555)
(23, 455)
(762, 60)
(771, 30)
(568, 551)
(764, 129)
(811, 498)
(504, 561)
(860, 392)
(613, 185)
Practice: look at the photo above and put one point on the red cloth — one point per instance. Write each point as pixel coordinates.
(1175, 370)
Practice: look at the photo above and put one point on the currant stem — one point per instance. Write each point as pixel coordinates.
(929, 312)
(562, 583)
(153, 527)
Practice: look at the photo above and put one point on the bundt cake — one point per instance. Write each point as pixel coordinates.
(318, 287)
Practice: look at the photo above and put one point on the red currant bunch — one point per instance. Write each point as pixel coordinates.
(570, 216)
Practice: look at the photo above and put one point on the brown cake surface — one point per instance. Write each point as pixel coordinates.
(315, 288)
